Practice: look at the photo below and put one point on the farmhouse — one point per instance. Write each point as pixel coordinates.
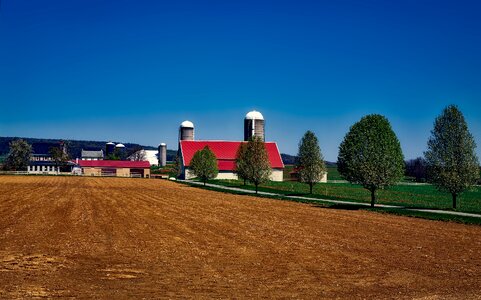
(121, 168)
(41, 161)
(226, 151)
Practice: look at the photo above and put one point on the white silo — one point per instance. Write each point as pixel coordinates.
(254, 125)
(162, 154)
(121, 151)
(186, 131)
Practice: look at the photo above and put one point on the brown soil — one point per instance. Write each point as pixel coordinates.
(138, 238)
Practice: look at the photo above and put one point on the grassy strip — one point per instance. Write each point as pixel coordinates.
(428, 215)
(422, 196)
(320, 203)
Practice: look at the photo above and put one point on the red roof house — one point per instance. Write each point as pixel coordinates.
(123, 168)
(226, 152)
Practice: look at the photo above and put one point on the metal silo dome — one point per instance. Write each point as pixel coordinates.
(254, 115)
(254, 125)
(187, 124)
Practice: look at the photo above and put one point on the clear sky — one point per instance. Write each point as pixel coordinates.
(132, 71)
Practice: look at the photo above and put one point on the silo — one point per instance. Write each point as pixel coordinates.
(109, 148)
(186, 131)
(254, 125)
(121, 151)
(162, 154)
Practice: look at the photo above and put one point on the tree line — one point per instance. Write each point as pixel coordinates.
(370, 155)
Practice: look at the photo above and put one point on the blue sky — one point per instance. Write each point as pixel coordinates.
(132, 71)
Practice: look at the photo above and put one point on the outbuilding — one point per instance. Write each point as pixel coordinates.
(120, 168)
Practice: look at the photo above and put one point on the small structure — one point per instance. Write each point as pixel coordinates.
(225, 152)
(162, 154)
(92, 154)
(120, 168)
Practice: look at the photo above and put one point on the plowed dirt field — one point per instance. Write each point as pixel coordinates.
(115, 238)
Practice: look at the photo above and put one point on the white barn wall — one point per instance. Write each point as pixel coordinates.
(277, 175)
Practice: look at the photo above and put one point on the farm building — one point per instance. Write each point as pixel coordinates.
(92, 154)
(149, 155)
(120, 168)
(41, 161)
(226, 151)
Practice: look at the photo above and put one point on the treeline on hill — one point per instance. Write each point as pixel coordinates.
(416, 170)
(74, 147)
(288, 159)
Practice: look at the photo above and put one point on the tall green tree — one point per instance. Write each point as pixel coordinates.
(258, 167)
(204, 164)
(19, 155)
(451, 160)
(310, 162)
(371, 155)
(241, 162)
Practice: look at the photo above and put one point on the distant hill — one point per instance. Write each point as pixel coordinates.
(288, 159)
(75, 146)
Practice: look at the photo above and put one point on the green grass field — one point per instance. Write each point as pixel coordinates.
(415, 196)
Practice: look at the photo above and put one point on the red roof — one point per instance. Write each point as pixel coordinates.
(226, 152)
(114, 164)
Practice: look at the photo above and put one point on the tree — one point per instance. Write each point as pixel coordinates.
(19, 155)
(176, 168)
(450, 158)
(371, 155)
(241, 162)
(204, 164)
(59, 155)
(138, 154)
(310, 163)
(258, 168)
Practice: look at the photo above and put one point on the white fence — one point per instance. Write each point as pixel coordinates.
(103, 174)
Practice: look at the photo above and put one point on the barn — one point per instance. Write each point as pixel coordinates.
(225, 152)
(120, 168)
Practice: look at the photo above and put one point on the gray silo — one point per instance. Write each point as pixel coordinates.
(186, 131)
(254, 125)
(162, 154)
(109, 148)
